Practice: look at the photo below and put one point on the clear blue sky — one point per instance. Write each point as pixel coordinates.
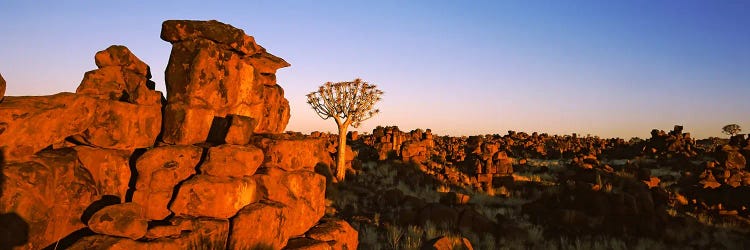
(608, 68)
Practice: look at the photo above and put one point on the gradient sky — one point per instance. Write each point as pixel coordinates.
(613, 69)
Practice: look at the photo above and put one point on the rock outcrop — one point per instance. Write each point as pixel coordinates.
(2, 88)
(207, 173)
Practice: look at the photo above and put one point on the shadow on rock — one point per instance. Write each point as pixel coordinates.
(14, 231)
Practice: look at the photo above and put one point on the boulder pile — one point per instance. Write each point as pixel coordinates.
(117, 165)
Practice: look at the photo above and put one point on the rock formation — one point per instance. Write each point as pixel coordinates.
(210, 172)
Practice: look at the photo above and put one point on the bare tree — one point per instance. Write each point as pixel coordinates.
(731, 129)
(348, 103)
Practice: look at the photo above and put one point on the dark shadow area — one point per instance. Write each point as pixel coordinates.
(219, 129)
(133, 173)
(105, 201)
(71, 239)
(324, 170)
(14, 231)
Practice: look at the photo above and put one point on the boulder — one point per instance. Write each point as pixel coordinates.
(186, 125)
(122, 220)
(232, 161)
(175, 31)
(108, 167)
(304, 243)
(448, 243)
(195, 234)
(159, 171)
(337, 233)
(303, 192)
(215, 197)
(118, 55)
(47, 194)
(260, 224)
(32, 123)
(286, 154)
(240, 130)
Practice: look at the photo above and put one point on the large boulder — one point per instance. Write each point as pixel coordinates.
(232, 161)
(215, 197)
(32, 123)
(303, 192)
(338, 233)
(121, 77)
(159, 171)
(287, 154)
(193, 234)
(122, 220)
(258, 225)
(216, 69)
(47, 195)
(108, 167)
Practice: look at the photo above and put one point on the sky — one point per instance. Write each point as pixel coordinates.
(606, 68)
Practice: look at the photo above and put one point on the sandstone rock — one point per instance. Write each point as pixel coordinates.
(175, 31)
(159, 171)
(303, 192)
(186, 125)
(123, 220)
(108, 167)
(49, 193)
(260, 224)
(240, 130)
(118, 55)
(118, 84)
(338, 233)
(119, 125)
(232, 161)
(196, 234)
(286, 154)
(216, 197)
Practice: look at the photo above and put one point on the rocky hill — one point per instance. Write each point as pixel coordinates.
(118, 166)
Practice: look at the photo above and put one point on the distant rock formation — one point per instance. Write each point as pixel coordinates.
(105, 168)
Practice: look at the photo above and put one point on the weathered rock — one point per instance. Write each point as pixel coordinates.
(286, 154)
(304, 243)
(226, 73)
(232, 161)
(216, 197)
(260, 224)
(303, 192)
(118, 55)
(118, 84)
(240, 130)
(49, 194)
(338, 233)
(159, 171)
(196, 234)
(122, 220)
(108, 167)
(186, 126)
(30, 124)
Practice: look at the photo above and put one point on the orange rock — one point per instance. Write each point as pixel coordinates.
(232, 161)
(109, 168)
(119, 125)
(338, 233)
(186, 126)
(48, 194)
(211, 196)
(286, 154)
(118, 55)
(184, 30)
(123, 220)
(240, 130)
(198, 234)
(260, 224)
(159, 171)
(118, 84)
(303, 192)
(448, 243)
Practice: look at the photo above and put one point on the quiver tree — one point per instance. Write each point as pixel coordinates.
(731, 129)
(348, 103)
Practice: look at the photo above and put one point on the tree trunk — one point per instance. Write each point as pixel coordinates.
(341, 159)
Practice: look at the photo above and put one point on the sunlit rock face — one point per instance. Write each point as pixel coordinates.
(118, 166)
(215, 70)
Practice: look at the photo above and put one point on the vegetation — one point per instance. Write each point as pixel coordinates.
(731, 129)
(348, 103)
